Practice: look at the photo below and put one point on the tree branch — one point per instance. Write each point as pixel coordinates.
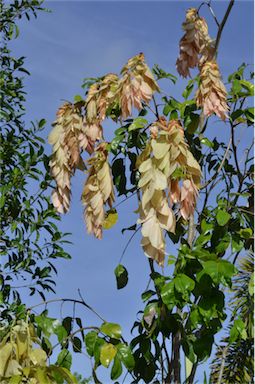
(222, 24)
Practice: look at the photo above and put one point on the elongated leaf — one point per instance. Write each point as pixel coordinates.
(116, 368)
(111, 329)
(125, 355)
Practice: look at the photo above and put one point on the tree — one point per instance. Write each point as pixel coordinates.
(170, 160)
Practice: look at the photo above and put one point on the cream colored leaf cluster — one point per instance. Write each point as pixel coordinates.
(98, 190)
(67, 130)
(198, 49)
(164, 159)
(194, 42)
(78, 127)
(100, 96)
(212, 94)
(137, 85)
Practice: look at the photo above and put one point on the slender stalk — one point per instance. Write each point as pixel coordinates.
(222, 24)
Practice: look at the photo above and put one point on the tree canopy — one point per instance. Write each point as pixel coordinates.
(192, 191)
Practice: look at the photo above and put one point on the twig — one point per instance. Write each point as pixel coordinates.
(123, 201)
(156, 107)
(82, 302)
(222, 24)
(129, 241)
(89, 307)
(220, 167)
(211, 10)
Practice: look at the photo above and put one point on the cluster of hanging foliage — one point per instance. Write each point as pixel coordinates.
(169, 173)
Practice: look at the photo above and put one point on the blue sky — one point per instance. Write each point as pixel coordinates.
(84, 39)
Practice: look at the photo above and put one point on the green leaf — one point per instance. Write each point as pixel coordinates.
(77, 98)
(167, 109)
(203, 346)
(64, 359)
(90, 341)
(41, 376)
(248, 86)
(211, 306)
(238, 330)
(207, 142)
(249, 113)
(67, 324)
(48, 325)
(61, 333)
(150, 312)
(168, 296)
(107, 353)
(147, 295)
(119, 177)
(236, 114)
(111, 329)
(121, 276)
(115, 143)
(183, 283)
(77, 345)
(138, 123)
(222, 217)
(111, 218)
(187, 91)
(116, 368)
(194, 123)
(41, 123)
(220, 271)
(97, 349)
(251, 285)
(125, 355)
(245, 233)
(15, 379)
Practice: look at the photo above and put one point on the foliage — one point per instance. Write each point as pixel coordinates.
(234, 357)
(166, 154)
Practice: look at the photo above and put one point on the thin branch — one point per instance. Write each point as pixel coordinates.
(191, 230)
(211, 10)
(123, 201)
(220, 167)
(222, 24)
(89, 307)
(127, 245)
(156, 107)
(82, 302)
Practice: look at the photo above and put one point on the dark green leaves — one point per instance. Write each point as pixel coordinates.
(238, 330)
(126, 356)
(119, 177)
(183, 283)
(161, 74)
(138, 123)
(116, 368)
(168, 296)
(64, 359)
(121, 276)
(90, 341)
(220, 271)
